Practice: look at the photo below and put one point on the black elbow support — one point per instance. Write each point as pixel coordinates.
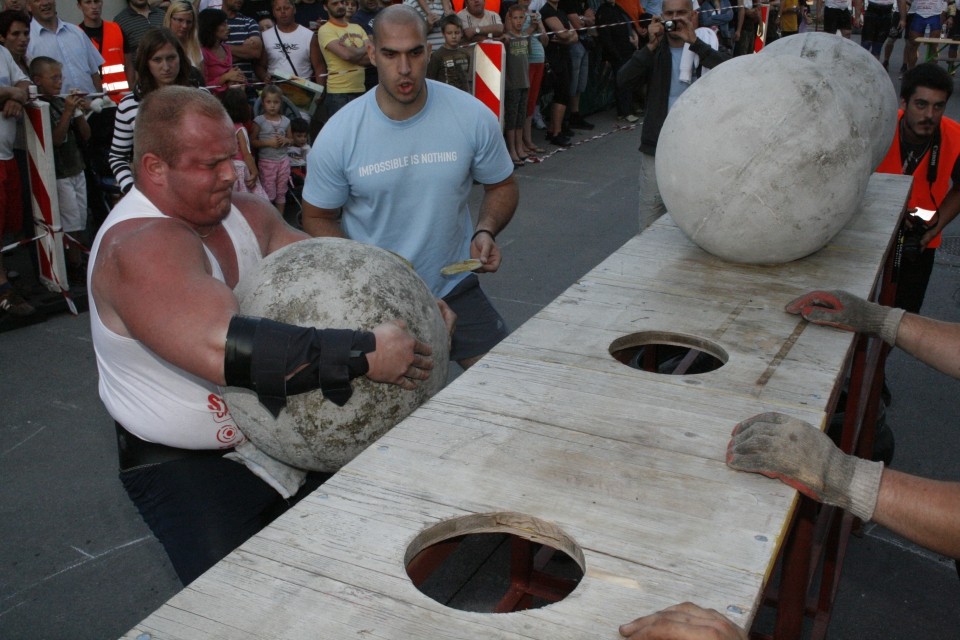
(261, 355)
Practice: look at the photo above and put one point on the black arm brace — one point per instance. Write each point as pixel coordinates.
(261, 353)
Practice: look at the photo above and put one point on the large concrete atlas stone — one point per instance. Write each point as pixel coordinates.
(855, 71)
(340, 284)
(765, 158)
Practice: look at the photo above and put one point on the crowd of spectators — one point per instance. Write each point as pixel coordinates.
(555, 51)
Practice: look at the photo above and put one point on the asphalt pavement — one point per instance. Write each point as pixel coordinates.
(77, 562)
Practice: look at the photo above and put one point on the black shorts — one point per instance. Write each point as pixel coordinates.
(558, 61)
(479, 326)
(877, 20)
(837, 19)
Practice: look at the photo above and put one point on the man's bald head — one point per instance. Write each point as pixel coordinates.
(398, 14)
(162, 112)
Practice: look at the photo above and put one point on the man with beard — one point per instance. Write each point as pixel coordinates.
(395, 169)
(927, 147)
(344, 47)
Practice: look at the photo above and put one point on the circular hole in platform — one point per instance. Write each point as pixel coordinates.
(495, 563)
(668, 353)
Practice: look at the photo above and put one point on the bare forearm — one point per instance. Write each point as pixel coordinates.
(499, 203)
(924, 511)
(249, 51)
(931, 341)
(63, 126)
(321, 223)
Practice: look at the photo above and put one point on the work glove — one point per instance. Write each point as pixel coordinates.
(846, 311)
(805, 458)
(286, 480)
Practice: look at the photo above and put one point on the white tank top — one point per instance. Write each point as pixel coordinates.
(150, 397)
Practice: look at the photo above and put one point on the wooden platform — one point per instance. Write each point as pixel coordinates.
(628, 464)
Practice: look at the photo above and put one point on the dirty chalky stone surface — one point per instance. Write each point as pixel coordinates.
(339, 284)
(742, 175)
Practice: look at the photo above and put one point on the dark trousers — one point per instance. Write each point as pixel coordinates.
(913, 276)
(202, 508)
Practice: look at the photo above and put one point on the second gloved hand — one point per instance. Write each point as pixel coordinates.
(846, 311)
(799, 454)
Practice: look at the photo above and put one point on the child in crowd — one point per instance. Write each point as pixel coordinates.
(449, 63)
(66, 117)
(432, 11)
(235, 102)
(269, 134)
(533, 25)
(299, 148)
(517, 83)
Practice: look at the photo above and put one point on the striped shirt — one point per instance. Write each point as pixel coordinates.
(241, 28)
(121, 150)
(134, 25)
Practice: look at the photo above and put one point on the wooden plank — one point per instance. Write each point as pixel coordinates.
(628, 464)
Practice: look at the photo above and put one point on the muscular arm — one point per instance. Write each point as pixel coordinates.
(13, 98)
(563, 36)
(353, 55)
(318, 63)
(322, 222)
(498, 205)
(931, 341)
(497, 208)
(922, 510)
(185, 325)
(249, 50)
(947, 211)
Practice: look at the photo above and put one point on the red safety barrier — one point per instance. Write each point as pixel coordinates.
(489, 59)
(43, 196)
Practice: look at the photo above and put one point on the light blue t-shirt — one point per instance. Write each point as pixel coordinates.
(405, 185)
(676, 87)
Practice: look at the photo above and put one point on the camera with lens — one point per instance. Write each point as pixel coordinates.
(911, 234)
(669, 25)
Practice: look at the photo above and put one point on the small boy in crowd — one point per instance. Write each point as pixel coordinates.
(298, 150)
(517, 82)
(66, 117)
(449, 63)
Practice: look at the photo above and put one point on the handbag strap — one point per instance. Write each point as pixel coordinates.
(284, 49)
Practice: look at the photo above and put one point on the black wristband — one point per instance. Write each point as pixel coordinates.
(260, 353)
(364, 342)
(479, 231)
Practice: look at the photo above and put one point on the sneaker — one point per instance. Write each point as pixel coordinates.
(559, 140)
(13, 303)
(628, 118)
(579, 122)
(538, 120)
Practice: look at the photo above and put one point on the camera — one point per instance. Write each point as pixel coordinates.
(669, 25)
(910, 237)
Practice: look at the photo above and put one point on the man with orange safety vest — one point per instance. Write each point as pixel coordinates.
(927, 147)
(107, 37)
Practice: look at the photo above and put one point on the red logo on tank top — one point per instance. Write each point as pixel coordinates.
(228, 433)
(218, 407)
